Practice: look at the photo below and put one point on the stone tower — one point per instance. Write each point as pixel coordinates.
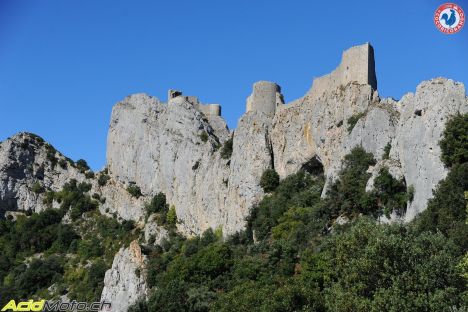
(357, 66)
(266, 97)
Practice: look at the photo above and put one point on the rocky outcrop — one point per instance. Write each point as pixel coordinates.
(125, 282)
(154, 234)
(28, 167)
(421, 124)
(175, 147)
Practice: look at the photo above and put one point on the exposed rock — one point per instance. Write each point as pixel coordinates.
(29, 167)
(125, 282)
(416, 145)
(171, 148)
(252, 155)
(154, 234)
(174, 147)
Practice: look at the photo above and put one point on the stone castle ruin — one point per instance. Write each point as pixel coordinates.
(176, 147)
(207, 109)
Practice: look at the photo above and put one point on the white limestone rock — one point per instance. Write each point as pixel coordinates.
(416, 145)
(26, 160)
(154, 234)
(125, 282)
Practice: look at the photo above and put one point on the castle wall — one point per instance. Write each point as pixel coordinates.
(265, 98)
(207, 109)
(357, 65)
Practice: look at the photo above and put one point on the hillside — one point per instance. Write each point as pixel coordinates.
(337, 201)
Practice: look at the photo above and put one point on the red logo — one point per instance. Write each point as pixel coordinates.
(449, 18)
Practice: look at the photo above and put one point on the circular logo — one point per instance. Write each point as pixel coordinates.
(449, 18)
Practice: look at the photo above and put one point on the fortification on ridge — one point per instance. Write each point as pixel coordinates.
(266, 97)
(207, 109)
(357, 66)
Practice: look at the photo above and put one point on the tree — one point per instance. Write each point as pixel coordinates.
(454, 144)
(134, 190)
(269, 180)
(226, 152)
(82, 165)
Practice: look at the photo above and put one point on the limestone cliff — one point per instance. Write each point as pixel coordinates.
(176, 148)
(125, 282)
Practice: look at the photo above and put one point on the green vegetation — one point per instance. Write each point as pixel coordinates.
(454, 144)
(39, 250)
(51, 152)
(63, 163)
(103, 178)
(37, 188)
(293, 256)
(82, 165)
(352, 121)
(171, 217)
(134, 190)
(164, 215)
(387, 148)
(226, 151)
(204, 136)
(269, 180)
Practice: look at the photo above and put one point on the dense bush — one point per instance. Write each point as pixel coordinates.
(82, 165)
(103, 178)
(372, 267)
(204, 136)
(347, 195)
(446, 211)
(226, 151)
(134, 190)
(454, 144)
(390, 193)
(269, 180)
(387, 148)
(72, 256)
(74, 197)
(157, 204)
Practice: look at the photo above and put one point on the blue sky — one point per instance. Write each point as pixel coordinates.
(64, 63)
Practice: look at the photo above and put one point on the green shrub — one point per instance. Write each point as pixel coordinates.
(347, 195)
(454, 144)
(204, 136)
(446, 210)
(51, 152)
(134, 190)
(387, 148)
(139, 306)
(63, 163)
(352, 121)
(103, 178)
(82, 165)
(89, 174)
(372, 267)
(226, 151)
(171, 217)
(157, 204)
(269, 180)
(391, 194)
(37, 188)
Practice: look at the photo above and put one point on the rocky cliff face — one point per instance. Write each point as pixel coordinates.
(125, 282)
(164, 152)
(175, 148)
(28, 167)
